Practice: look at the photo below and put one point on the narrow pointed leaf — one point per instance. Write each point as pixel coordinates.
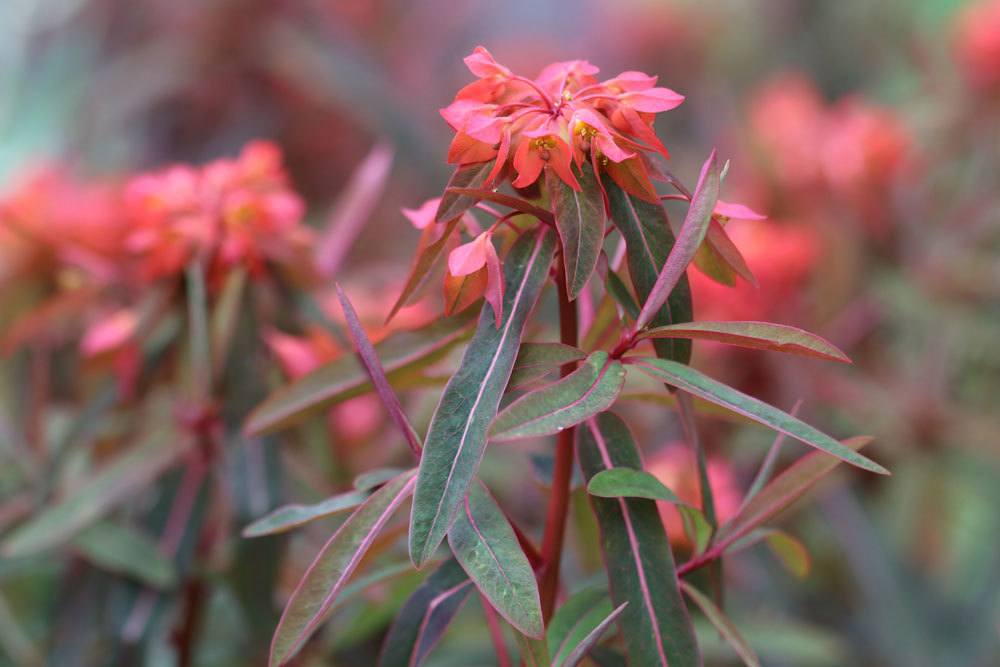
(487, 548)
(722, 623)
(369, 359)
(371, 480)
(698, 384)
(579, 219)
(453, 204)
(287, 517)
(648, 242)
(430, 249)
(790, 551)
(460, 292)
(618, 291)
(580, 651)
(655, 626)
(757, 335)
(456, 438)
(690, 237)
(536, 360)
(783, 490)
(720, 259)
(575, 621)
(313, 598)
(345, 377)
(591, 388)
(125, 550)
(630, 483)
(425, 616)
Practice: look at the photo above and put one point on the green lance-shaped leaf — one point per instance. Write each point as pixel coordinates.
(128, 474)
(425, 616)
(313, 598)
(579, 218)
(692, 233)
(648, 242)
(782, 491)
(722, 623)
(656, 627)
(591, 388)
(287, 517)
(456, 438)
(699, 384)
(578, 625)
(536, 360)
(344, 378)
(757, 335)
(376, 477)
(487, 548)
(468, 176)
(125, 550)
(579, 652)
(630, 483)
(720, 259)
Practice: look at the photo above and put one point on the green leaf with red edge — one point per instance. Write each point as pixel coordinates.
(536, 360)
(699, 384)
(578, 624)
(291, 516)
(722, 623)
(579, 652)
(313, 598)
(692, 233)
(648, 242)
(756, 335)
(430, 249)
(453, 204)
(580, 221)
(630, 483)
(720, 259)
(460, 292)
(344, 378)
(782, 491)
(373, 367)
(591, 388)
(619, 292)
(487, 549)
(425, 616)
(456, 438)
(640, 566)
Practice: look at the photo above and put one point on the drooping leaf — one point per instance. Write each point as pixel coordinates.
(720, 259)
(591, 388)
(536, 360)
(345, 377)
(696, 383)
(460, 292)
(640, 566)
(722, 623)
(579, 652)
(630, 483)
(430, 249)
(425, 616)
(791, 552)
(580, 221)
(287, 517)
(577, 620)
(648, 242)
(368, 481)
(757, 335)
(783, 490)
(116, 482)
(125, 550)
(690, 237)
(453, 205)
(313, 598)
(373, 366)
(487, 549)
(456, 438)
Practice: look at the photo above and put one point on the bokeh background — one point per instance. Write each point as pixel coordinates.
(868, 132)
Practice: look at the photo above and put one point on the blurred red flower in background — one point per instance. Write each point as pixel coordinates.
(977, 44)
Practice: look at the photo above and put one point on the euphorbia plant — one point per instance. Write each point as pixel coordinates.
(581, 158)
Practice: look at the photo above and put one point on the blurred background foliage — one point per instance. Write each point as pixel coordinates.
(868, 132)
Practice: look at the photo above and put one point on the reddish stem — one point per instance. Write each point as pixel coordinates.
(555, 519)
(496, 632)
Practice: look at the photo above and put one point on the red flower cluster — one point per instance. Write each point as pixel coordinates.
(563, 116)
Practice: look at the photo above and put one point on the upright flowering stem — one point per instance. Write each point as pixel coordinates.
(555, 519)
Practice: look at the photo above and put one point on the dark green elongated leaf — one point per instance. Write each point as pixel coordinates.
(466, 176)
(368, 481)
(630, 483)
(487, 549)
(287, 517)
(128, 474)
(698, 384)
(578, 624)
(345, 378)
(580, 222)
(456, 438)
(580, 651)
(425, 616)
(720, 259)
(757, 335)
(640, 566)
(536, 360)
(722, 623)
(125, 550)
(589, 389)
(648, 242)
(688, 239)
(782, 491)
(313, 598)
(620, 293)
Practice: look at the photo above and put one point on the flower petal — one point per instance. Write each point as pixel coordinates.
(736, 211)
